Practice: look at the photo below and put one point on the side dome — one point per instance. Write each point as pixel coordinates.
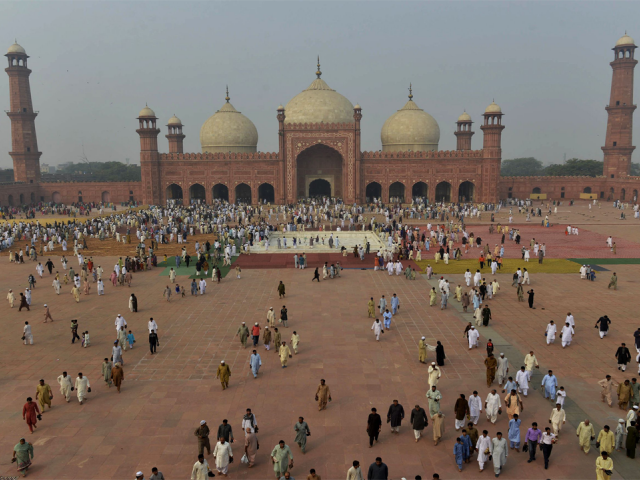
(319, 104)
(624, 40)
(410, 128)
(228, 130)
(15, 48)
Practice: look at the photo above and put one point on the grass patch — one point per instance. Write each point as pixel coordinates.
(606, 261)
(184, 271)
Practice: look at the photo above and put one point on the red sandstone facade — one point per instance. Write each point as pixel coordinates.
(320, 159)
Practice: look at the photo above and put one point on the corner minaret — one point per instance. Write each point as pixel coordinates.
(618, 142)
(149, 157)
(491, 152)
(24, 143)
(175, 135)
(464, 132)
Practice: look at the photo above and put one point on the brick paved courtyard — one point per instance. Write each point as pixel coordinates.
(164, 396)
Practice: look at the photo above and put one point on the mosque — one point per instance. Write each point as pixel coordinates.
(319, 154)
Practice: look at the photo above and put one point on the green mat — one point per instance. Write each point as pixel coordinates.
(184, 271)
(606, 261)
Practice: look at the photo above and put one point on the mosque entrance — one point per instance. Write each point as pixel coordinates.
(319, 172)
(319, 188)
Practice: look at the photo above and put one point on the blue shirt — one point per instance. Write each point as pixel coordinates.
(387, 316)
(130, 338)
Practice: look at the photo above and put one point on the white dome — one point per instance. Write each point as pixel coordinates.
(319, 103)
(15, 48)
(410, 128)
(493, 108)
(624, 40)
(146, 112)
(228, 130)
(465, 117)
(174, 121)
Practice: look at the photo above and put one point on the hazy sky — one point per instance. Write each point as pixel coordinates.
(95, 64)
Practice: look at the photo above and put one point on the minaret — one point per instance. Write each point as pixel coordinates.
(618, 142)
(175, 135)
(24, 143)
(464, 132)
(491, 152)
(492, 129)
(149, 157)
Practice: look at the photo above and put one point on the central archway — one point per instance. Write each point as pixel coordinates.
(319, 188)
(106, 197)
(174, 193)
(319, 162)
(197, 193)
(466, 192)
(373, 192)
(243, 194)
(220, 192)
(443, 192)
(266, 193)
(396, 192)
(420, 190)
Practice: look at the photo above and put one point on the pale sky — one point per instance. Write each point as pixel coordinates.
(96, 64)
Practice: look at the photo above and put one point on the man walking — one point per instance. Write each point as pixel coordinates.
(419, 421)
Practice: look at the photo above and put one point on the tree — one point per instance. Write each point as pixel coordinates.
(575, 167)
(104, 171)
(521, 167)
(635, 170)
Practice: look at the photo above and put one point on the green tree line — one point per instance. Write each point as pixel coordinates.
(103, 171)
(530, 166)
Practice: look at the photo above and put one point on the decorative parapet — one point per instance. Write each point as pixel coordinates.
(204, 157)
(320, 126)
(457, 154)
(551, 177)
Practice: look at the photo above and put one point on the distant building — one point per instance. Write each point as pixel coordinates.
(46, 168)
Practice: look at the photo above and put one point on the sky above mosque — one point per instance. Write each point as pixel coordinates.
(96, 64)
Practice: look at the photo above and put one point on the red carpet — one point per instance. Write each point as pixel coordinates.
(285, 260)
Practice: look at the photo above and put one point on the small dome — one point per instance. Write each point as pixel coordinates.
(410, 128)
(493, 108)
(228, 130)
(15, 48)
(280, 107)
(146, 112)
(465, 117)
(624, 40)
(174, 121)
(317, 104)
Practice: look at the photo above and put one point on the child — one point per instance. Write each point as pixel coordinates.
(65, 279)
(177, 288)
(182, 291)
(561, 396)
(86, 339)
(131, 339)
(458, 452)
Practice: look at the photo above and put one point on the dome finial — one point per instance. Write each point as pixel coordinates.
(410, 93)
(318, 72)
(227, 97)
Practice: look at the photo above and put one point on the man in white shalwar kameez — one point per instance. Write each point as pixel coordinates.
(64, 381)
(200, 469)
(377, 329)
(222, 453)
(551, 332)
(499, 452)
(467, 277)
(475, 407)
(492, 405)
(398, 267)
(485, 449)
(522, 380)
(503, 368)
(152, 325)
(567, 335)
(82, 385)
(390, 268)
(203, 286)
(473, 337)
(434, 374)
(120, 322)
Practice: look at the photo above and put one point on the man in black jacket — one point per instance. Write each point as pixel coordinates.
(378, 470)
(153, 341)
(419, 421)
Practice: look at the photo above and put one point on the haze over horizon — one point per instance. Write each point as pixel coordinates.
(95, 65)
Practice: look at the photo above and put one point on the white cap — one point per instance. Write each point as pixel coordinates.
(256, 323)
(139, 474)
(45, 304)
(433, 363)
(202, 422)
(502, 354)
(423, 338)
(221, 361)
(635, 407)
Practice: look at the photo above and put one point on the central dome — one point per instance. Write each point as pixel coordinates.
(228, 130)
(410, 128)
(319, 104)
